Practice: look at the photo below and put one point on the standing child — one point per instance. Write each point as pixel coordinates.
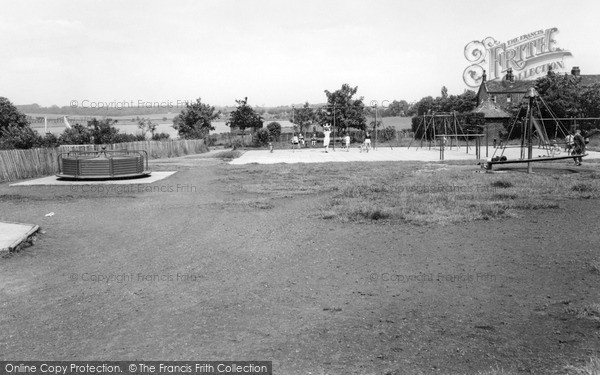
(367, 143)
(579, 146)
(327, 133)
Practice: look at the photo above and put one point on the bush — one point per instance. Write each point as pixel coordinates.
(237, 143)
(387, 134)
(50, 141)
(262, 137)
(18, 137)
(77, 135)
(275, 130)
(160, 137)
(123, 138)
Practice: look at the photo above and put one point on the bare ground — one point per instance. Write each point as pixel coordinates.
(202, 274)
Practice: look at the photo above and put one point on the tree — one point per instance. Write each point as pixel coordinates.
(397, 108)
(425, 105)
(10, 115)
(303, 117)
(387, 134)
(194, 121)
(347, 112)
(103, 131)
(76, 135)
(274, 129)
(590, 100)
(15, 131)
(147, 126)
(14, 136)
(463, 103)
(561, 94)
(262, 137)
(244, 117)
(444, 92)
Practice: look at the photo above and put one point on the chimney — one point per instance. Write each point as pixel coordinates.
(484, 76)
(509, 75)
(575, 71)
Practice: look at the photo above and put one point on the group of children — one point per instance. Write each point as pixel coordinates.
(298, 140)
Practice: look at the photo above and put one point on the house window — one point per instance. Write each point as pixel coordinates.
(508, 98)
(493, 98)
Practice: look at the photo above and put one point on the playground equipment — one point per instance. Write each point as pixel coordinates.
(451, 131)
(103, 165)
(533, 125)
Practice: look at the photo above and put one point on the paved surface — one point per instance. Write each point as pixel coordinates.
(53, 180)
(318, 155)
(12, 234)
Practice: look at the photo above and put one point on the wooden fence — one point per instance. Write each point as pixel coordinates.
(38, 162)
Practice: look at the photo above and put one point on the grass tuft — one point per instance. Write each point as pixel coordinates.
(587, 311)
(583, 188)
(502, 184)
(228, 155)
(591, 367)
(497, 371)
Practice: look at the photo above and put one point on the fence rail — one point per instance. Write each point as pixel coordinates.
(38, 162)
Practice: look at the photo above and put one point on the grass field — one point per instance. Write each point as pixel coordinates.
(417, 193)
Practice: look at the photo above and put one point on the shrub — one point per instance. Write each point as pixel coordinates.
(160, 136)
(275, 130)
(262, 137)
(15, 136)
(76, 135)
(387, 134)
(236, 143)
(50, 141)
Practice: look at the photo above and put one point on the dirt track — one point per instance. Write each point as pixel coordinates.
(201, 274)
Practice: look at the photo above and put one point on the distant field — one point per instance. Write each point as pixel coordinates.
(126, 125)
(399, 123)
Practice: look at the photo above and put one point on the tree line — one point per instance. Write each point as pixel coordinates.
(342, 110)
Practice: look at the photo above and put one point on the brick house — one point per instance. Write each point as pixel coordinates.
(509, 92)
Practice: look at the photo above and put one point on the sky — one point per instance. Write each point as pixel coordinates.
(150, 52)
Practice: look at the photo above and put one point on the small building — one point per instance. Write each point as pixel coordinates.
(496, 120)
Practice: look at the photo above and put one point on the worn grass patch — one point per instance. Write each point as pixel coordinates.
(586, 311)
(497, 371)
(591, 367)
(391, 191)
(228, 155)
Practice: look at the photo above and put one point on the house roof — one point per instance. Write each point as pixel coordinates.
(491, 110)
(506, 87)
(589, 79)
(502, 86)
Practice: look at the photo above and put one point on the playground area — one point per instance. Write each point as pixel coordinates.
(382, 153)
(118, 272)
(279, 262)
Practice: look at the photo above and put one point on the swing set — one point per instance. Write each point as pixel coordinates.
(533, 127)
(447, 123)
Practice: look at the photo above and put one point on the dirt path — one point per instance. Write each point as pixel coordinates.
(197, 273)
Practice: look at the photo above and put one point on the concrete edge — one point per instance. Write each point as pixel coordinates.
(20, 240)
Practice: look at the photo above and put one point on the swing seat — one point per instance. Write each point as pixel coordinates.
(543, 158)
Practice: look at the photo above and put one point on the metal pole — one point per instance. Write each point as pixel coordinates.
(374, 148)
(529, 136)
(333, 126)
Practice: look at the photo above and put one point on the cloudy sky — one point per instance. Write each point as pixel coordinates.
(273, 52)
